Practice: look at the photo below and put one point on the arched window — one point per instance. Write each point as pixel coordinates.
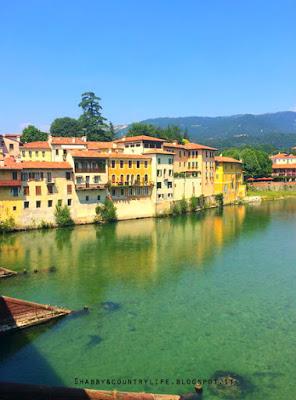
(113, 178)
(146, 178)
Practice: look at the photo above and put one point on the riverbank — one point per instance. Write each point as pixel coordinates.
(271, 194)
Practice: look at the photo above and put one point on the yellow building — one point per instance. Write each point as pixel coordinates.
(36, 151)
(129, 175)
(10, 192)
(229, 179)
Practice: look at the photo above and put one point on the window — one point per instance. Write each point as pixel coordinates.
(26, 204)
(38, 204)
(69, 189)
(113, 163)
(158, 185)
(38, 190)
(96, 179)
(69, 202)
(121, 178)
(146, 164)
(86, 198)
(170, 172)
(158, 161)
(30, 153)
(122, 192)
(14, 175)
(121, 163)
(146, 178)
(68, 176)
(98, 197)
(57, 152)
(49, 203)
(11, 146)
(113, 192)
(60, 202)
(49, 177)
(36, 153)
(43, 154)
(159, 173)
(14, 208)
(26, 190)
(130, 164)
(49, 189)
(170, 161)
(23, 153)
(138, 179)
(14, 192)
(65, 152)
(170, 185)
(113, 178)
(138, 164)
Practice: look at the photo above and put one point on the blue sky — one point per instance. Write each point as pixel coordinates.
(145, 58)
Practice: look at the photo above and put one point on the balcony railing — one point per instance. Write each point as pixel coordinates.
(89, 186)
(129, 183)
(91, 170)
(10, 183)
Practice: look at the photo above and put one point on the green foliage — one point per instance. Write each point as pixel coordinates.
(66, 127)
(219, 199)
(33, 134)
(63, 216)
(7, 224)
(256, 163)
(170, 133)
(179, 207)
(106, 212)
(45, 225)
(193, 203)
(91, 121)
(201, 201)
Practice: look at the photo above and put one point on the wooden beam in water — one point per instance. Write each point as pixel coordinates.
(15, 391)
(6, 273)
(18, 314)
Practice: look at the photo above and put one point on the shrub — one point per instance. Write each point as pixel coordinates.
(175, 208)
(106, 212)
(63, 216)
(183, 206)
(45, 225)
(193, 203)
(219, 199)
(201, 201)
(7, 224)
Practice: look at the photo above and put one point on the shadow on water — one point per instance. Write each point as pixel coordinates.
(35, 368)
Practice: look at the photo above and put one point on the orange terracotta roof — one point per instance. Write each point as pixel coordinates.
(36, 145)
(137, 139)
(283, 155)
(227, 159)
(45, 165)
(67, 140)
(88, 154)
(100, 145)
(159, 151)
(197, 146)
(284, 166)
(176, 145)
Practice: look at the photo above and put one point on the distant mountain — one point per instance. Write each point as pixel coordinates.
(275, 129)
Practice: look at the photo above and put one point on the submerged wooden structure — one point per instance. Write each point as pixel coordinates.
(6, 273)
(18, 314)
(15, 391)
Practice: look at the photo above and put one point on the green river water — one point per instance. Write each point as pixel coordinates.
(194, 295)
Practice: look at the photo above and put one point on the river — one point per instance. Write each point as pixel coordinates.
(172, 298)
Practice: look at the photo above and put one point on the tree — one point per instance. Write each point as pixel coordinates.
(138, 128)
(33, 134)
(256, 163)
(92, 122)
(66, 126)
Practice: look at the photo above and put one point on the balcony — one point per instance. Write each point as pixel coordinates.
(130, 184)
(90, 186)
(11, 183)
(91, 170)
